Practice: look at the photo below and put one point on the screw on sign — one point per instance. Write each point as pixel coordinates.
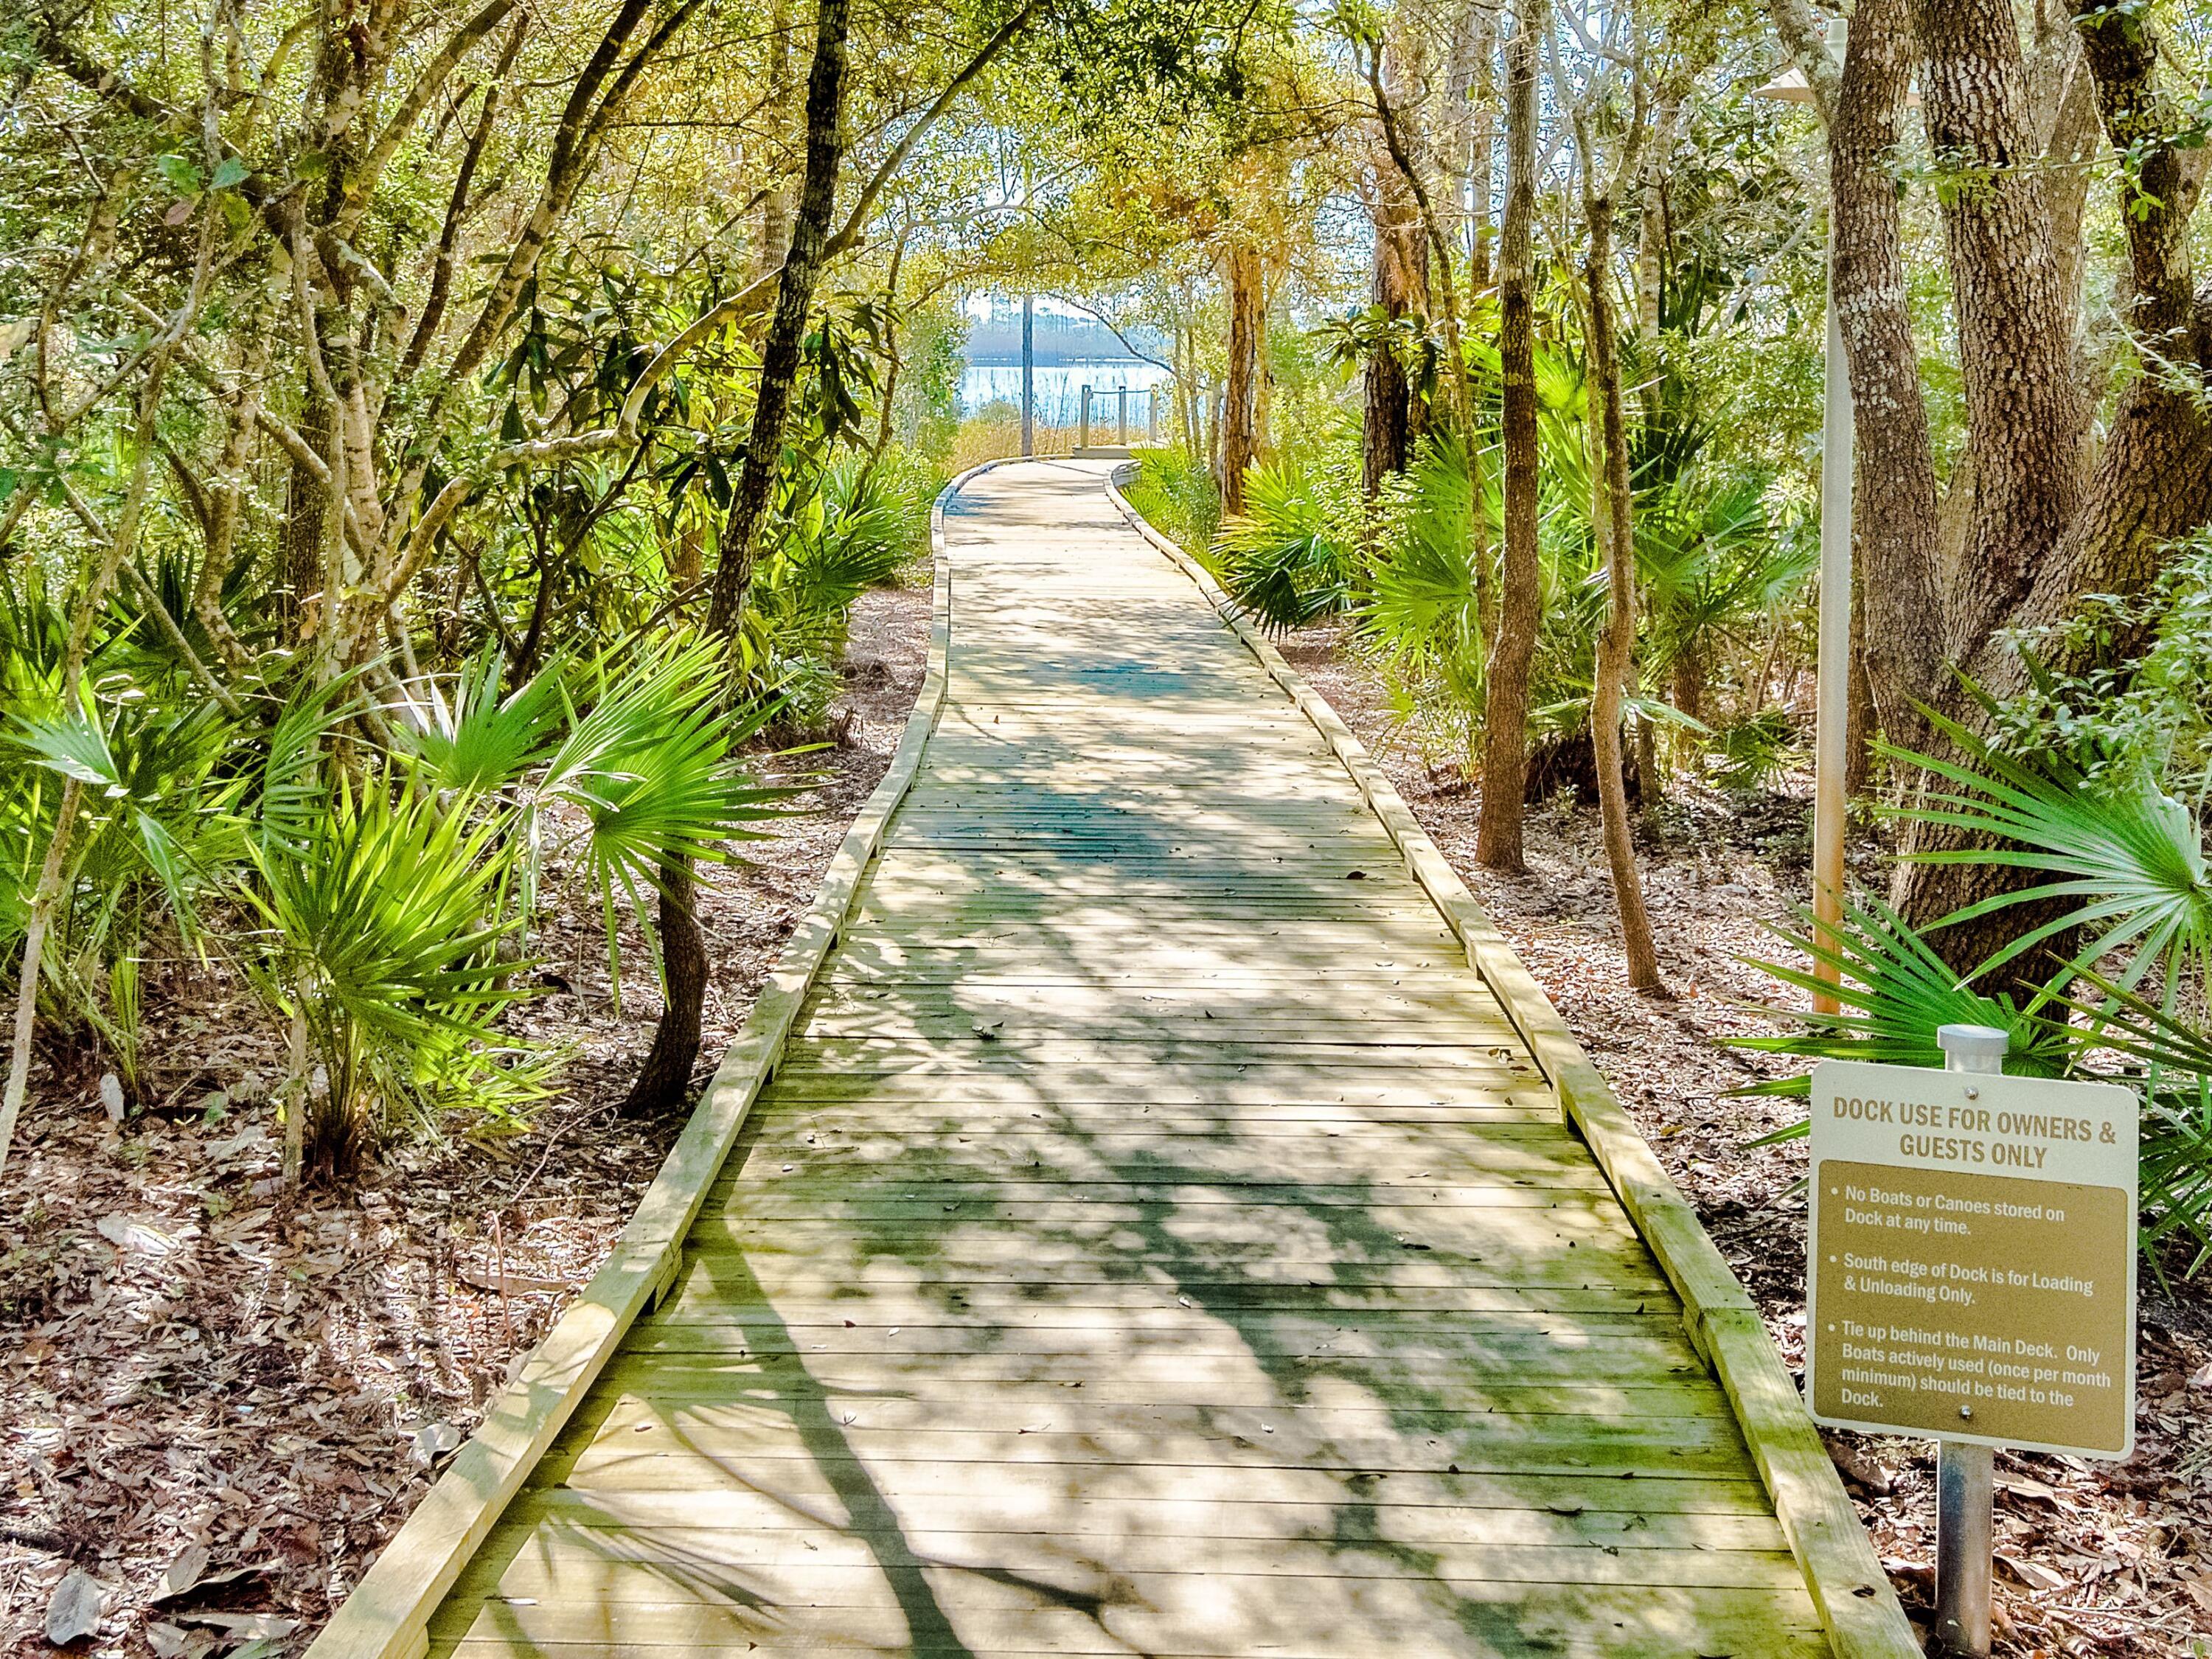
(1972, 1276)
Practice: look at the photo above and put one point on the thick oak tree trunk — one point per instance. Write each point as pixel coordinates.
(2015, 336)
(1895, 517)
(2152, 482)
(2026, 530)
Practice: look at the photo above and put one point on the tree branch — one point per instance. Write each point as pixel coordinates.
(865, 203)
(426, 87)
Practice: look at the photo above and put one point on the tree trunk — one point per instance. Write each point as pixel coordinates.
(668, 1071)
(1241, 411)
(307, 502)
(2014, 338)
(664, 1083)
(1391, 420)
(1478, 44)
(1651, 218)
(774, 230)
(779, 370)
(1895, 513)
(1616, 539)
(2152, 478)
(1498, 844)
(1689, 688)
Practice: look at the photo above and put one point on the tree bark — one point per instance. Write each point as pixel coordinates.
(1241, 410)
(1474, 78)
(2153, 479)
(306, 505)
(773, 239)
(1651, 233)
(664, 1080)
(779, 370)
(2015, 335)
(1443, 282)
(1392, 416)
(1498, 843)
(667, 1073)
(1895, 498)
(1616, 539)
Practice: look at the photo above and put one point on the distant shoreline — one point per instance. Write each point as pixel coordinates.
(1042, 361)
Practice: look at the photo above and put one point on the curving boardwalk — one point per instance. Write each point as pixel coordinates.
(1155, 1239)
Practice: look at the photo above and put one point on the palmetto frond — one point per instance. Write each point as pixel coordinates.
(2130, 859)
(651, 767)
(1894, 994)
(1281, 557)
(486, 738)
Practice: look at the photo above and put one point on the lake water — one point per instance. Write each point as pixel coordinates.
(1060, 388)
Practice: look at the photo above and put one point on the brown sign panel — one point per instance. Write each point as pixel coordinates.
(1973, 1258)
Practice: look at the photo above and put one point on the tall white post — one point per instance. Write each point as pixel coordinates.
(1832, 719)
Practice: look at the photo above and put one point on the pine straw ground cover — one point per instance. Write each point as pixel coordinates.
(2091, 1558)
(218, 1412)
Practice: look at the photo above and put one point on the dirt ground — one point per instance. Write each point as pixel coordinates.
(2091, 1557)
(218, 1412)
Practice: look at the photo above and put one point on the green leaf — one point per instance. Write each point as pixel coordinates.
(178, 173)
(230, 175)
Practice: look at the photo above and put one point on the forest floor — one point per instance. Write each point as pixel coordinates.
(2091, 1558)
(219, 1412)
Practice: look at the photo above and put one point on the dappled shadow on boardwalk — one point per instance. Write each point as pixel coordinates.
(1154, 1242)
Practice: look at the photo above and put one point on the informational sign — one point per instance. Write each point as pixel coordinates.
(1972, 1257)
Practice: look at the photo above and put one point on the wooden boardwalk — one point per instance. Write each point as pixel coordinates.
(1155, 1239)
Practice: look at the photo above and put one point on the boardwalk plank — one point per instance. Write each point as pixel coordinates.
(1155, 1239)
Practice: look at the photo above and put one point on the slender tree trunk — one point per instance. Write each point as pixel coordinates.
(1406, 155)
(1241, 412)
(45, 899)
(1498, 844)
(666, 1076)
(774, 237)
(307, 504)
(779, 370)
(664, 1079)
(1651, 217)
(92, 597)
(1617, 538)
(1478, 44)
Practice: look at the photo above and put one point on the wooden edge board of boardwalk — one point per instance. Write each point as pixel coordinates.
(1150, 1210)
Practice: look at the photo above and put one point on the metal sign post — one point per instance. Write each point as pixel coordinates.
(1965, 1469)
(1972, 1276)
